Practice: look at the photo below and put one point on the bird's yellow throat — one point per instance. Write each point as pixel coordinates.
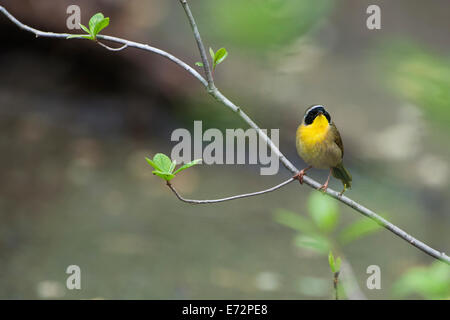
(314, 133)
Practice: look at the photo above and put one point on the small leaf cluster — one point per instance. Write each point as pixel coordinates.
(96, 24)
(217, 57)
(335, 264)
(164, 166)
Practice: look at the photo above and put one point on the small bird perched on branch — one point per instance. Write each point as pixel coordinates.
(319, 144)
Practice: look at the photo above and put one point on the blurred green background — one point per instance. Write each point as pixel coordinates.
(77, 121)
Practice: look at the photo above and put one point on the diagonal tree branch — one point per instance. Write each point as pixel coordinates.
(214, 92)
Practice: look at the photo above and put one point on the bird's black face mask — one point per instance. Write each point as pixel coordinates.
(313, 112)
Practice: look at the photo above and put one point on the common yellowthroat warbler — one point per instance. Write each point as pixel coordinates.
(320, 146)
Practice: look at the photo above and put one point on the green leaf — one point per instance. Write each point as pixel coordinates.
(84, 28)
(199, 64)
(358, 230)
(188, 165)
(85, 36)
(316, 243)
(324, 211)
(163, 162)
(154, 165)
(220, 55)
(211, 52)
(331, 262)
(100, 26)
(95, 19)
(338, 264)
(294, 221)
(165, 175)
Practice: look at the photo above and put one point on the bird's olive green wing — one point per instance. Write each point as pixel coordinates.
(339, 172)
(337, 138)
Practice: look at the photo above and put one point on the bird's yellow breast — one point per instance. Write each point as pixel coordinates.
(313, 143)
(314, 133)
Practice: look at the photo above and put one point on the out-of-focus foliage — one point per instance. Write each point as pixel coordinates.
(257, 24)
(431, 282)
(314, 242)
(358, 229)
(420, 76)
(294, 221)
(324, 211)
(319, 232)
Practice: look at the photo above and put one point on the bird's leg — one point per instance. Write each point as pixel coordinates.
(325, 185)
(300, 174)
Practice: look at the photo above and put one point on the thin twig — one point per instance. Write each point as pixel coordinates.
(246, 195)
(113, 49)
(221, 98)
(200, 45)
(335, 284)
(141, 46)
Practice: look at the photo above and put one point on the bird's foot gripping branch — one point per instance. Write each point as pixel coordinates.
(99, 23)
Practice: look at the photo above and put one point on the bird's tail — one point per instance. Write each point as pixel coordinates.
(342, 174)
